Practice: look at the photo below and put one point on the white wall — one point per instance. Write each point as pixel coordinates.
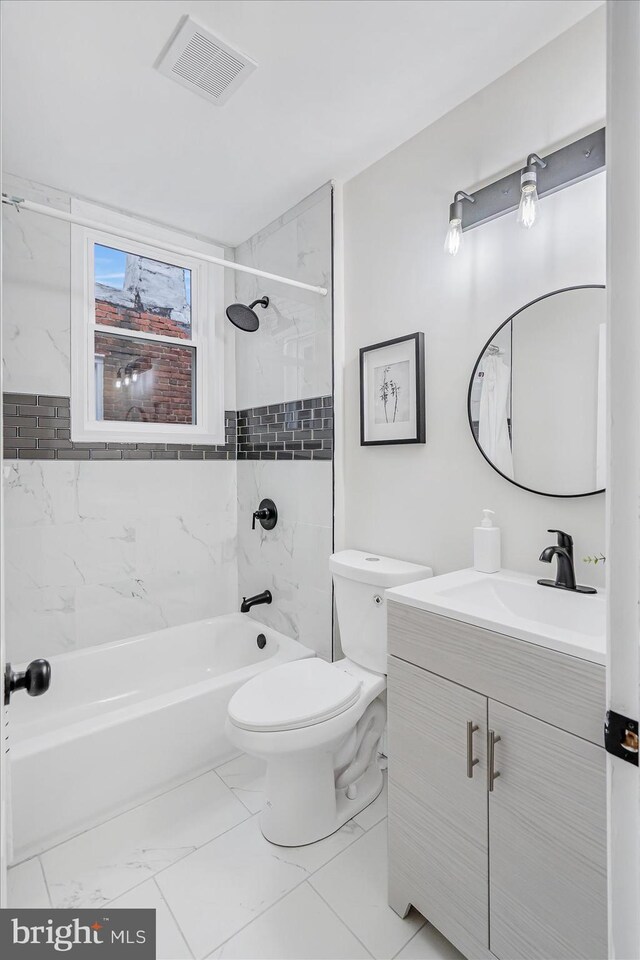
(421, 502)
(97, 551)
(288, 358)
(623, 350)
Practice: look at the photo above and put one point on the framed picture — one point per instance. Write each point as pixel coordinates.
(392, 408)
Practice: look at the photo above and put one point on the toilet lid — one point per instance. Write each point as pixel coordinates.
(293, 695)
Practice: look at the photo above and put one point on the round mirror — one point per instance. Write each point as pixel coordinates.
(537, 395)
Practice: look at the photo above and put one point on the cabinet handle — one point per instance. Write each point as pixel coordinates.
(492, 774)
(471, 729)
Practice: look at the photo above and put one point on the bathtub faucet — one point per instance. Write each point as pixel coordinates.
(248, 602)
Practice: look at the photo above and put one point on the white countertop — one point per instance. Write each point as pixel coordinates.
(515, 605)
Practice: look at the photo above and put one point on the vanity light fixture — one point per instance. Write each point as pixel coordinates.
(119, 379)
(127, 377)
(135, 368)
(454, 233)
(520, 189)
(131, 371)
(528, 209)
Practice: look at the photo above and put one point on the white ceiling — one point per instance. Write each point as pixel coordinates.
(339, 84)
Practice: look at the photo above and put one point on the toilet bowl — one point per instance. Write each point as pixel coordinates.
(317, 724)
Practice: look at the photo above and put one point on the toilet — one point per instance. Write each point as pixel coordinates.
(317, 724)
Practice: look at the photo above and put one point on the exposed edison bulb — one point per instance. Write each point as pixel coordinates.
(127, 379)
(454, 237)
(119, 380)
(528, 209)
(134, 375)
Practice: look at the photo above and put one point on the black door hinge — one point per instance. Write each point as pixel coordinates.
(621, 737)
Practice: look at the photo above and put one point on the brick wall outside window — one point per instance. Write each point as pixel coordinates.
(113, 315)
(163, 391)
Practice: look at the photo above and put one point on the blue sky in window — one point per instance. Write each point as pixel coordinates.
(110, 266)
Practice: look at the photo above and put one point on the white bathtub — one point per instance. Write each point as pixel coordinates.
(124, 721)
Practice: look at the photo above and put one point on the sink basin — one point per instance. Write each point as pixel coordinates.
(514, 604)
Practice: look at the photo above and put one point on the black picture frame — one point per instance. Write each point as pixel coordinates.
(418, 397)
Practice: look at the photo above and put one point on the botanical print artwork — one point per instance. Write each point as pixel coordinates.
(392, 388)
(391, 384)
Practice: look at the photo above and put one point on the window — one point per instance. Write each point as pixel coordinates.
(146, 347)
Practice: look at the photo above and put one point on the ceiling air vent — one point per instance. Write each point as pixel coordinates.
(202, 62)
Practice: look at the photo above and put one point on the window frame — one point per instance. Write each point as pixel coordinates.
(206, 335)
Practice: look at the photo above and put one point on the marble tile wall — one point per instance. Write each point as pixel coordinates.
(289, 357)
(292, 559)
(100, 550)
(287, 360)
(97, 550)
(36, 296)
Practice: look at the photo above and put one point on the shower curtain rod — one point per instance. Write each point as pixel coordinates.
(21, 204)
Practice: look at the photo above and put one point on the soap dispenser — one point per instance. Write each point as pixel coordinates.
(486, 544)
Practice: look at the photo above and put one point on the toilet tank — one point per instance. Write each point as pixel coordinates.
(359, 580)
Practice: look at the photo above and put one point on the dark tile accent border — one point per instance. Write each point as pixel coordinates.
(296, 430)
(38, 427)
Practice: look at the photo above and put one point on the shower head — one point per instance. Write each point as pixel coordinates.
(244, 317)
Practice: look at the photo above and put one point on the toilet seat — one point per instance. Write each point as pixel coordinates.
(294, 695)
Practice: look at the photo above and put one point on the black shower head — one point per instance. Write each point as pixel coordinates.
(244, 317)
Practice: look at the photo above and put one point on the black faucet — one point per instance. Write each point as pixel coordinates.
(565, 573)
(248, 602)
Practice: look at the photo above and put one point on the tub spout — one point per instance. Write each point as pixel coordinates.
(248, 602)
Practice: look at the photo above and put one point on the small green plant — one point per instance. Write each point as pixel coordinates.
(595, 560)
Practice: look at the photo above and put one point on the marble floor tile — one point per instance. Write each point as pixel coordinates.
(26, 887)
(99, 865)
(429, 944)
(354, 884)
(170, 944)
(245, 776)
(219, 889)
(299, 927)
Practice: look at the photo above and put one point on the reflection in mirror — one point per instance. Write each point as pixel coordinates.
(537, 395)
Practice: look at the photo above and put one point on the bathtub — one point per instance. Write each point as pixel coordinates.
(124, 721)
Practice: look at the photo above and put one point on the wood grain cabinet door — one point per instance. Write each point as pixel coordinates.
(438, 838)
(547, 829)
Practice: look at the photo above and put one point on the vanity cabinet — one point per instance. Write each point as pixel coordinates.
(547, 852)
(506, 856)
(438, 837)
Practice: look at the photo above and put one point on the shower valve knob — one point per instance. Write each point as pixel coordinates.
(266, 514)
(35, 679)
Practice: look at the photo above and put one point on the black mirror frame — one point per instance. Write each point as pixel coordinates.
(545, 296)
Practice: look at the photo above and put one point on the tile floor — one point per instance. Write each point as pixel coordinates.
(220, 890)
